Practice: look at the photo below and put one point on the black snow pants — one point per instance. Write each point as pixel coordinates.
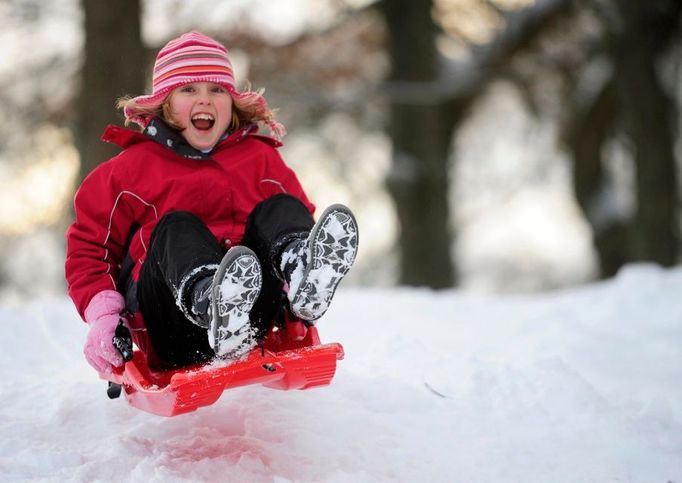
(181, 243)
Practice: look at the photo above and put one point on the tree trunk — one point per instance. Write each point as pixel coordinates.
(648, 113)
(114, 66)
(421, 139)
(589, 130)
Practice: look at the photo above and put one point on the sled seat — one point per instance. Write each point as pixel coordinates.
(281, 363)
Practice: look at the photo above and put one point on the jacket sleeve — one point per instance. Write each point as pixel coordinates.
(282, 179)
(96, 240)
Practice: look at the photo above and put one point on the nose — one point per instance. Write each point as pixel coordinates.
(204, 96)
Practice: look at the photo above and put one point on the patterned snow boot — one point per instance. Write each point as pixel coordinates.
(225, 301)
(313, 267)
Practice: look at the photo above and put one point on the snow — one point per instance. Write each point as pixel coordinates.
(580, 385)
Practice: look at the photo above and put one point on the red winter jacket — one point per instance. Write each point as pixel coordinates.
(123, 198)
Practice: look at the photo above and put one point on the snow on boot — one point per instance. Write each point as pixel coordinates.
(236, 285)
(314, 267)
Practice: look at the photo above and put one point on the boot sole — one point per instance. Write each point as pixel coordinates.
(236, 285)
(331, 252)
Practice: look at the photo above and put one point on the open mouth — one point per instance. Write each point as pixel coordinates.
(203, 122)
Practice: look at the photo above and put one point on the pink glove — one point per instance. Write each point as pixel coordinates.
(103, 314)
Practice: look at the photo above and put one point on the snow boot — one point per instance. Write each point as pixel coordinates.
(233, 291)
(200, 302)
(313, 267)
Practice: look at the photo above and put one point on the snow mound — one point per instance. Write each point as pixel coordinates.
(572, 386)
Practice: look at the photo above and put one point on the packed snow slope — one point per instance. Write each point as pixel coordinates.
(583, 385)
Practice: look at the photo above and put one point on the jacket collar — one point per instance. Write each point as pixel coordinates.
(160, 132)
(124, 138)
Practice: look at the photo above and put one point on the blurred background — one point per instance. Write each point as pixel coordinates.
(492, 145)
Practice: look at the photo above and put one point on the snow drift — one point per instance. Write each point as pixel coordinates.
(581, 385)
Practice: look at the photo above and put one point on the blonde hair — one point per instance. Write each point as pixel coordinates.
(247, 107)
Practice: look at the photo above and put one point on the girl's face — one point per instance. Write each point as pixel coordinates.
(203, 111)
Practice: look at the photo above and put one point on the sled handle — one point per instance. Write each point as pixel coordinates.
(122, 341)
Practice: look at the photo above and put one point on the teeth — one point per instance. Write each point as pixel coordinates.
(205, 117)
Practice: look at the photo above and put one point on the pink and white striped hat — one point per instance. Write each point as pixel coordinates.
(195, 57)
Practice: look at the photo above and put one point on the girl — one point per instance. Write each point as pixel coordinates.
(197, 232)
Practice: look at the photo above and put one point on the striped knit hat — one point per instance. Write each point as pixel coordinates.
(195, 57)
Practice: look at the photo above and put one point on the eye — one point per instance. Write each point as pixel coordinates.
(187, 88)
(218, 89)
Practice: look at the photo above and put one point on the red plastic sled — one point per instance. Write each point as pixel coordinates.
(282, 363)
